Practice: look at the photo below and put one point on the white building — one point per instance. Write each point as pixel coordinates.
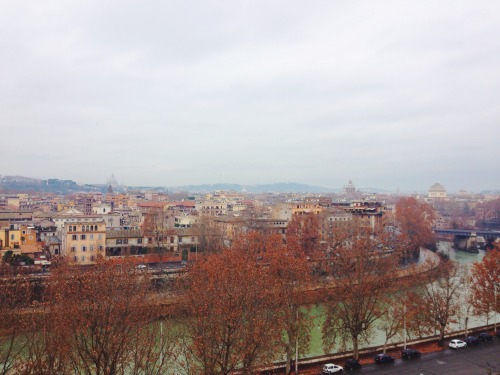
(437, 191)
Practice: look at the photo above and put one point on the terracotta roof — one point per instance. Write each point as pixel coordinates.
(183, 204)
(28, 249)
(152, 204)
(124, 233)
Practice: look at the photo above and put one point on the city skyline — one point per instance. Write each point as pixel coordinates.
(392, 96)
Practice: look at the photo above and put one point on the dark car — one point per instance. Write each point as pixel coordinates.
(471, 340)
(485, 337)
(352, 364)
(498, 332)
(410, 353)
(384, 358)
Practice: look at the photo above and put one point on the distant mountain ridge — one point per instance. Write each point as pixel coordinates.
(283, 187)
(29, 184)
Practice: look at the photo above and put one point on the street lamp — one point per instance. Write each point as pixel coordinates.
(404, 325)
(495, 305)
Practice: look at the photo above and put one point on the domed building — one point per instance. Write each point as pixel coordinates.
(437, 191)
(349, 188)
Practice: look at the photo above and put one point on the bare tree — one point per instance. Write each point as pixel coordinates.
(485, 284)
(363, 276)
(440, 300)
(15, 301)
(102, 319)
(232, 317)
(291, 272)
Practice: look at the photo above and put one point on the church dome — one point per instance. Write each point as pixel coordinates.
(437, 191)
(437, 187)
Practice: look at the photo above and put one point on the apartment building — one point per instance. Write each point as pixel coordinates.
(83, 242)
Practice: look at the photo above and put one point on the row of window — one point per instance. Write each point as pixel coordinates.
(74, 237)
(84, 248)
(124, 241)
(85, 228)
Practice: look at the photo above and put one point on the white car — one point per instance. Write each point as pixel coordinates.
(456, 344)
(330, 368)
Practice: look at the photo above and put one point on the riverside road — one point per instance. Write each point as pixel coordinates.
(475, 360)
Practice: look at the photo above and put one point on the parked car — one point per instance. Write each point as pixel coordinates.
(141, 267)
(498, 332)
(384, 358)
(410, 353)
(456, 344)
(472, 340)
(485, 337)
(352, 364)
(330, 368)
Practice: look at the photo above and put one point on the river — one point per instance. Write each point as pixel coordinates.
(316, 312)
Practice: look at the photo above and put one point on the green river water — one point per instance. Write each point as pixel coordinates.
(316, 312)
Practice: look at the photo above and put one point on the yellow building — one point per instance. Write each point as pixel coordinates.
(10, 237)
(28, 235)
(306, 207)
(83, 242)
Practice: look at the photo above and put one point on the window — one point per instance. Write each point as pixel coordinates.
(92, 258)
(180, 239)
(83, 237)
(24, 232)
(100, 248)
(73, 248)
(56, 251)
(75, 259)
(12, 237)
(70, 228)
(91, 236)
(84, 248)
(171, 239)
(100, 236)
(74, 237)
(91, 248)
(139, 240)
(83, 258)
(125, 241)
(118, 241)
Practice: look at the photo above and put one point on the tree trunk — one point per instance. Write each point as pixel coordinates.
(466, 325)
(288, 358)
(441, 335)
(355, 347)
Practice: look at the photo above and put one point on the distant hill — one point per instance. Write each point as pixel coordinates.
(28, 184)
(284, 187)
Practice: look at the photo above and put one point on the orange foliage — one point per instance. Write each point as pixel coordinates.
(233, 324)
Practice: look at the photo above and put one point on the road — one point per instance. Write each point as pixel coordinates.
(467, 361)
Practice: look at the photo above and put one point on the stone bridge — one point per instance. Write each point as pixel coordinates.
(469, 239)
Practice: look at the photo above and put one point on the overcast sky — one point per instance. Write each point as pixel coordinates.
(390, 94)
